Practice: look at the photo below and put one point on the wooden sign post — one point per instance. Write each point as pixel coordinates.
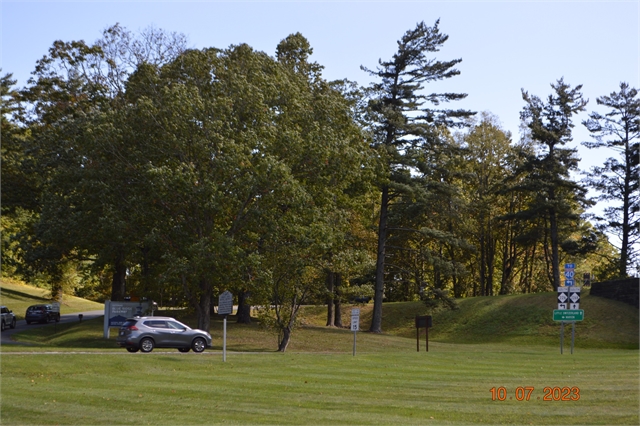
(425, 322)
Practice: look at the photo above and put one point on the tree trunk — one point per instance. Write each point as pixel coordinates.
(118, 282)
(204, 305)
(284, 342)
(336, 301)
(244, 308)
(376, 320)
(555, 259)
(330, 288)
(626, 195)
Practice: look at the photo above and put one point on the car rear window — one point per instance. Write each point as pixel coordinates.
(129, 323)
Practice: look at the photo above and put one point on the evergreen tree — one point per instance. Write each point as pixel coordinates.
(617, 179)
(556, 195)
(402, 125)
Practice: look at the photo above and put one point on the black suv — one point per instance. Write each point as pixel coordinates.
(42, 313)
(8, 318)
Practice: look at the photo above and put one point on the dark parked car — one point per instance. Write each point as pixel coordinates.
(42, 313)
(145, 333)
(8, 318)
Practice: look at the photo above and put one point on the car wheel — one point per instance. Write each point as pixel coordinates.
(2, 327)
(132, 350)
(184, 350)
(28, 322)
(198, 344)
(13, 323)
(146, 344)
(58, 318)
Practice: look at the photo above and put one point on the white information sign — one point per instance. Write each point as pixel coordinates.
(355, 319)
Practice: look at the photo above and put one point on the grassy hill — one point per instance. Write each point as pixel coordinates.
(524, 319)
(18, 296)
(519, 319)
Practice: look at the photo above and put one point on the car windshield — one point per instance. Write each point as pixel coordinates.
(36, 308)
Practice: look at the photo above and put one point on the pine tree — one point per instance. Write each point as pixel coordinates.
(617, 180)
(548, 169)
(402, 125)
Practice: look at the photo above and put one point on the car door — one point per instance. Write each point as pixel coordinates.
(162, 334)
(181, 335)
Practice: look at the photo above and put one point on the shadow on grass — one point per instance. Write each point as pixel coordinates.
(19, 295)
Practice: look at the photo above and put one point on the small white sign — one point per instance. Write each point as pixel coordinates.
(225, 303)
(355, 319)
(355, 323)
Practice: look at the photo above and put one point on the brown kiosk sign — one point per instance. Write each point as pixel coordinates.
(424, 321)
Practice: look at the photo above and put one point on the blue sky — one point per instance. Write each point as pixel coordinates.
(504, 45)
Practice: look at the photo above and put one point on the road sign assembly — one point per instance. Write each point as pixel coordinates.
(568, 304)
(225, 307)
(355, 326)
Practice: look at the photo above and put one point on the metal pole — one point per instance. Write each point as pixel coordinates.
(224, 340)
(354, 343)
(573, 334)
(561, 335)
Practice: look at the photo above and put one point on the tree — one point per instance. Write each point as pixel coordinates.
(75, 98)
(617, 179)
(548, 169)
(400, 123)
(487, 151)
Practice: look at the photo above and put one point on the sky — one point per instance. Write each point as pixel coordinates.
(505, 46)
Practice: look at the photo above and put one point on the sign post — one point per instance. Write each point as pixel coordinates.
(568, 315)
(355, 326)
(425, 322)
(225, 307)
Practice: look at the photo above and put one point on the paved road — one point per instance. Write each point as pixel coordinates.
(21, 325)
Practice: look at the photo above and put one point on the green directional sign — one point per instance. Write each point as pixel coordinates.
(565, 315)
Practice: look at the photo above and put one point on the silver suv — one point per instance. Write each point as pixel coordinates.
(8, 318)
(145, 333)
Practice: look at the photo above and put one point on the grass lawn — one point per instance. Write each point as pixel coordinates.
(449, 385)
(69, 374)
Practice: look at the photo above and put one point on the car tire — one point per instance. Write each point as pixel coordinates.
(146, 344)
(28, 322)
(13, 323)
(57, 317)
(198, 344)
(132, 350)
(184, 350)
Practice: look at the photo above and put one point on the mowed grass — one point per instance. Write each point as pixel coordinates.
(448, 385)
(69, 374)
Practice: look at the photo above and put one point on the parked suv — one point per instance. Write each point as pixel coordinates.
(42, 313)
(145, 333)
(8, 318)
